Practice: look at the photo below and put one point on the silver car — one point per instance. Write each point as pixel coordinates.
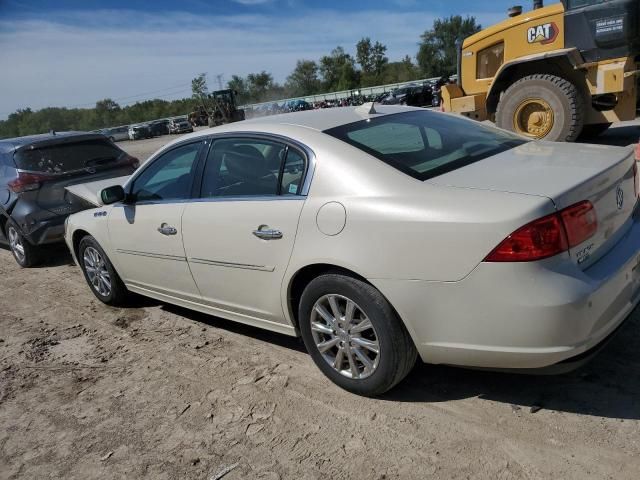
(379, 234)
(180, 125)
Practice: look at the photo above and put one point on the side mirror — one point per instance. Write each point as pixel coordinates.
(113, 194)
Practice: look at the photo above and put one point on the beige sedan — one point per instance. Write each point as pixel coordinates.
(379, 234)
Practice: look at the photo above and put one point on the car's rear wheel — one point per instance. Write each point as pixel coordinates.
(104, 281)
(354, 336)
(25, 254)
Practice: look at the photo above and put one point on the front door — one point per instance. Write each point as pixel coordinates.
(146, 233)
(239, 235)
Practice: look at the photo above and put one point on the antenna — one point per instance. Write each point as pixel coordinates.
(367, 109)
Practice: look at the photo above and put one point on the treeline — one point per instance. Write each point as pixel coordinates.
(336, 71)
(106, 113)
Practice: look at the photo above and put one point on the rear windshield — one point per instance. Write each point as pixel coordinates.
(425, 144)
(67, 157)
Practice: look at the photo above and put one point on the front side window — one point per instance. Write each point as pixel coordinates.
(425, 144)
(489, 61)
(169, 177)
(243, 167)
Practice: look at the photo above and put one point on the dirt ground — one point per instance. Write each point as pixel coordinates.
(155, 391)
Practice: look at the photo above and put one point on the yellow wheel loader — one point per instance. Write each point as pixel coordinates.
(554, 72)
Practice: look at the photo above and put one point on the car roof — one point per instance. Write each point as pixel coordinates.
(326, 118)
(12, 144)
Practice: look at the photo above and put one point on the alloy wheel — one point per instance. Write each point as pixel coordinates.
(15, 242)
(97, 272)
(345, 337)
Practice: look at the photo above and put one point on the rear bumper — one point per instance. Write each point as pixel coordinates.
(46, 231)
(520, 316)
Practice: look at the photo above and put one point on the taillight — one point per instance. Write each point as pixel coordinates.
(580, 222)
(26, 182)
(548, 236)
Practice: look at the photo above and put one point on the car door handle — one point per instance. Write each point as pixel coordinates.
(166, 229)
(266, 233)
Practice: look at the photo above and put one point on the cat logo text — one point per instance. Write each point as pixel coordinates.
(543, 34)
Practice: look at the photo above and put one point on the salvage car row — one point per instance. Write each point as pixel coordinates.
(152, 129)
(377, 234)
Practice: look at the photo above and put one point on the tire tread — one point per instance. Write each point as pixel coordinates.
(569, 90)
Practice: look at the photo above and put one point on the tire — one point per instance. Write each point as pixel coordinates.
(92, 258)
(25, 254)
(561, 97)
(396, 354)
(594, 130)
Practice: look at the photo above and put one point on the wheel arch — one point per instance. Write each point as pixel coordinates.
(304, 275)
(561, 63)
(76, 238)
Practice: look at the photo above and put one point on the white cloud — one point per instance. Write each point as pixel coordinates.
(78, 58)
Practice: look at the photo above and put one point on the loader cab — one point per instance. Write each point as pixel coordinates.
(602, 30)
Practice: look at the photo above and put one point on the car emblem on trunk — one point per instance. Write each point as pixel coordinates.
(619, 197)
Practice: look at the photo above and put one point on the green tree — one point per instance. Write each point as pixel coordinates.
(106, 112)
(304, 79)
(403, 71)
(438, 52)
(199, 87)
(258, 84)
(372, 60)
(239, 84)
(338, 71)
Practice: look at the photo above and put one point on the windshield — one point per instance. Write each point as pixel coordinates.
(67, 157)
(425, 144)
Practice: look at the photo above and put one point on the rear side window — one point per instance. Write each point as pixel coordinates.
(425, 144)
(67, 157)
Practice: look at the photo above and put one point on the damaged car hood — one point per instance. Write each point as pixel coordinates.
(90, 192)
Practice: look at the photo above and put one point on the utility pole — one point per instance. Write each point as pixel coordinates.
(219, 77)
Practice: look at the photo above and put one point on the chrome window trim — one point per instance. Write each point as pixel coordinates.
(208, 142)
(244, 198)
(308, 153)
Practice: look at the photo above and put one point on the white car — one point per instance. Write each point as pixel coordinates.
(379, 234)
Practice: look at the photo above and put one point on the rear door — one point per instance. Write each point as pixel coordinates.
(146, 233)
(239, 236)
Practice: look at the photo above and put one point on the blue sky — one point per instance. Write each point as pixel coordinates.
(74, 52)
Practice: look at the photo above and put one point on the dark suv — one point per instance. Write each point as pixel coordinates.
(34, 172)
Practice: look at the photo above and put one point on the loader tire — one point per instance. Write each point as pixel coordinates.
(542, 106)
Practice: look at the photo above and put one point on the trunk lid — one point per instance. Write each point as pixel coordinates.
(566, 174)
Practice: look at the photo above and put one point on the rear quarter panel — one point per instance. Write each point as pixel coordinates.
(398, 227)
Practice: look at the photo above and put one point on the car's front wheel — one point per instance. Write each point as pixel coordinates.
(354, 336)
(25, 254)
(104, 281)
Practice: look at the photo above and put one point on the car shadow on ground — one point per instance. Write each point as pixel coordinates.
(52, 256)
(608, 386)
(621, 136)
